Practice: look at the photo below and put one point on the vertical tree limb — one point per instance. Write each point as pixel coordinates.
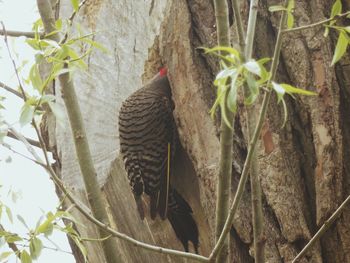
(226, 139)
(254, 169)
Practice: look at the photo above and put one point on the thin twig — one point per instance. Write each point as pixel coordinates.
(49, 248)
(323, 229)
(252, 145)
(21, 154)
(31, 141)
(13, 33)
(320, 23)
(13, 62)
(71, 19)
(11, 90)
(256, 198)
(17, 93)
(21, 138)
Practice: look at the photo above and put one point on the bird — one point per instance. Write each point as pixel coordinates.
(148, 142)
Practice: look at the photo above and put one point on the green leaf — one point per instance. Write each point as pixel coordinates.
(57, 111)
(1, 210)
(75, 4)
(12, 238)
(232, 93)
(290, 17)
(35, 77)
(64, 71)
(263, 61)
(232, 97)
(279, 91)
(39, 58)
(9, 214)
(223, 111)
(34, 43)
(96, 45)
(293, 90)
(253, 67)
(3, 131)
(5, 255)
(290, 20)
(219, 95)
(222, 76)
(47, 98)
(229, 50)
(51, 43)
(285, 113)
(58, 24)
(81, 247)
(277, 8)
(45, 228)
(25, 257)
(326, 31)
(347, 29)
(27, 113)
(340, 48)
(21, 219)
(35, 247)
(291, 5)
(253, 90)
(2, 241)
(336, 8)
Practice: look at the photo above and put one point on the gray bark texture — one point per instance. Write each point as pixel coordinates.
(304, 167)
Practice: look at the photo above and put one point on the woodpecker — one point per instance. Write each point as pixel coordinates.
(148, 139)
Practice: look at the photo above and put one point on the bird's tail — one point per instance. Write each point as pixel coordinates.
(180, 217)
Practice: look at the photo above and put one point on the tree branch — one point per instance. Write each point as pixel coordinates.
(226, 141)
(31, 141)
(256, 198)
(323, 229)
(12, 33)
(320, 23)
(13, 62)
(11, 90)
(253, 142)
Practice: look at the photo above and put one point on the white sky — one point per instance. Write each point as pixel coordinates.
(36, 191)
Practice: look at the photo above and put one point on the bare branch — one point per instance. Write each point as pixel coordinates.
(11, 90)
(256, 195)
(323, 229)
(13, 62)
(50, 248)
(320, 23)
(21, 154)
(12, 33)
(31, 141)
(21, 138)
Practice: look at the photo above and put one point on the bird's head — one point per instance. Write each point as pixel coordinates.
(163, 71)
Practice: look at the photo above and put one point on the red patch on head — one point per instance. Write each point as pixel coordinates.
(163, 71)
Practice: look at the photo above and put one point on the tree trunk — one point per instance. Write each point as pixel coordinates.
(303, 169)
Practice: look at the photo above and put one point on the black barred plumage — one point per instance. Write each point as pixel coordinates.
(148, 139)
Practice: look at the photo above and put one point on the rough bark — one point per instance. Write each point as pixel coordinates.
(304, 172)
